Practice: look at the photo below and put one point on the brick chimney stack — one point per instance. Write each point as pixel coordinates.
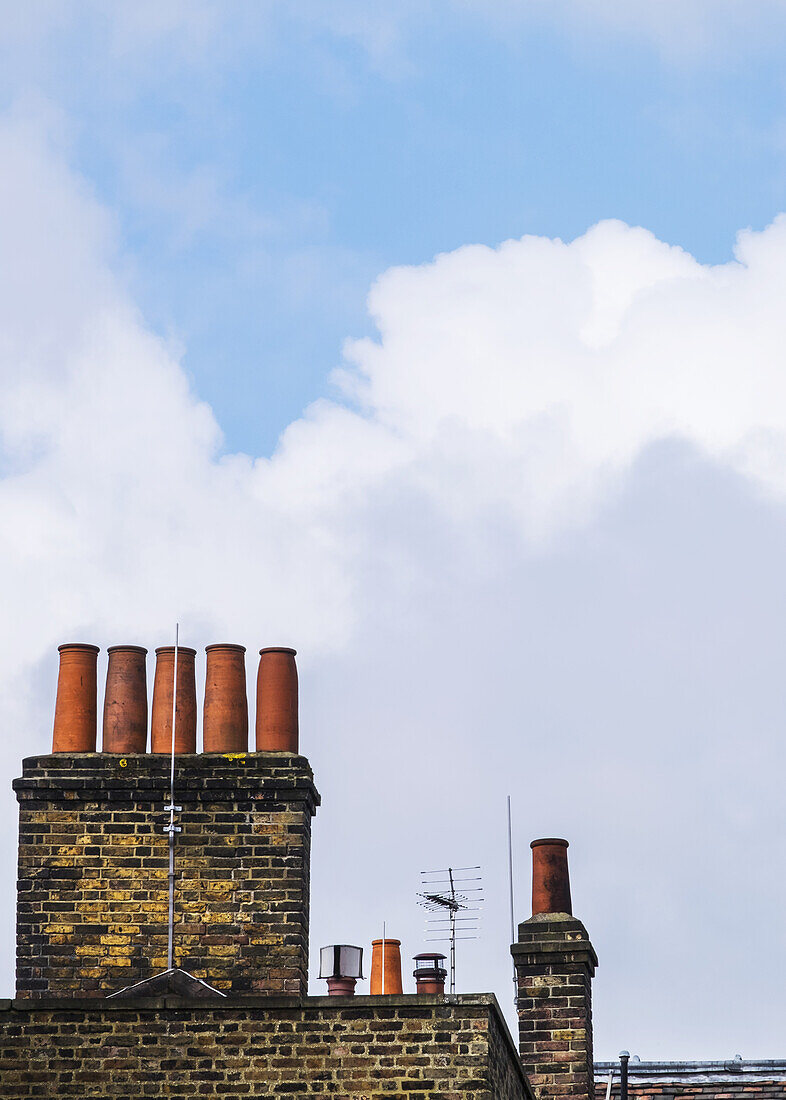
(92, 904)
(555, 963)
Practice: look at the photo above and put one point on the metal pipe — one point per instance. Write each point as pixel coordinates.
(170, 952)
(452, 934)
(512, 918)
(624, 1056)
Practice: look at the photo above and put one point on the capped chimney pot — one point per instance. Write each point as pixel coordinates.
(125, 700)
(225, 718)
(185, 718)
(387, 962)
(75, 708)
(430, 972)
(550, 879)
(277, 701)
(341, 965)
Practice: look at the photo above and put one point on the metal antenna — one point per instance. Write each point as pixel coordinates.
(171, 980)
(512, 918)
(450, 901)
(171, 829)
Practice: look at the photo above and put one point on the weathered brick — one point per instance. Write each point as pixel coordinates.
(96, 872)
(172, 1048)
(555, 963)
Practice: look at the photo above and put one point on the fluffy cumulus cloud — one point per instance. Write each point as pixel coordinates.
(435, 542)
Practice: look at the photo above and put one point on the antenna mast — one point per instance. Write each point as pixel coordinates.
(450, 902)
(171, 829)
(512, 918)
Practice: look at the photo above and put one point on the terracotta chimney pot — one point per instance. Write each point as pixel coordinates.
(185, 723)
(341, 987)
(125, 701)
(277, 703)
(550, 879)
(429, 972)
(75, 708)
(391, 965)
(225, 721)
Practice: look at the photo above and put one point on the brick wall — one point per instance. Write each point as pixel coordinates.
(93, 861)
(555, 963)
(505, 1070)
(419, 1047)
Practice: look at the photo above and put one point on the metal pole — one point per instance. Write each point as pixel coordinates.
(512, 917)
(624, 1056)
(171, 828)
(452, 934)
(510, 873)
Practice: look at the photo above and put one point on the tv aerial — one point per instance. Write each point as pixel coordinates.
(453, 906)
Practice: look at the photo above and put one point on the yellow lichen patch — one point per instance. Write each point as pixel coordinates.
(218, 887)
(90, 950)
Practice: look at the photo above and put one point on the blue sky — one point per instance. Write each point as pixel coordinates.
(268, 369)
(263, 176)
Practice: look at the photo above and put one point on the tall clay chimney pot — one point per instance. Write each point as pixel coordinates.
(225, 721)
(125, 701)
(75, 708)
(185, 723)
(277, 705)
(390, 964)
(550, 879)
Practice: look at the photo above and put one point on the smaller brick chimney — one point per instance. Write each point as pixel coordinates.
(555, 963)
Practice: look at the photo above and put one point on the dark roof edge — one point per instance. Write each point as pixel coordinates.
(731, 1067)
(233, 1002)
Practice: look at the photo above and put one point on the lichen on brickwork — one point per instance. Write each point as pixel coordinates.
(242, 873)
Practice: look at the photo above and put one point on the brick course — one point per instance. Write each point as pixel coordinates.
(424, 1048)
(93, 860)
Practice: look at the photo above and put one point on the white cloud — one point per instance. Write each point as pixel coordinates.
(687, 31)
(130, 44)
(414, 546)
